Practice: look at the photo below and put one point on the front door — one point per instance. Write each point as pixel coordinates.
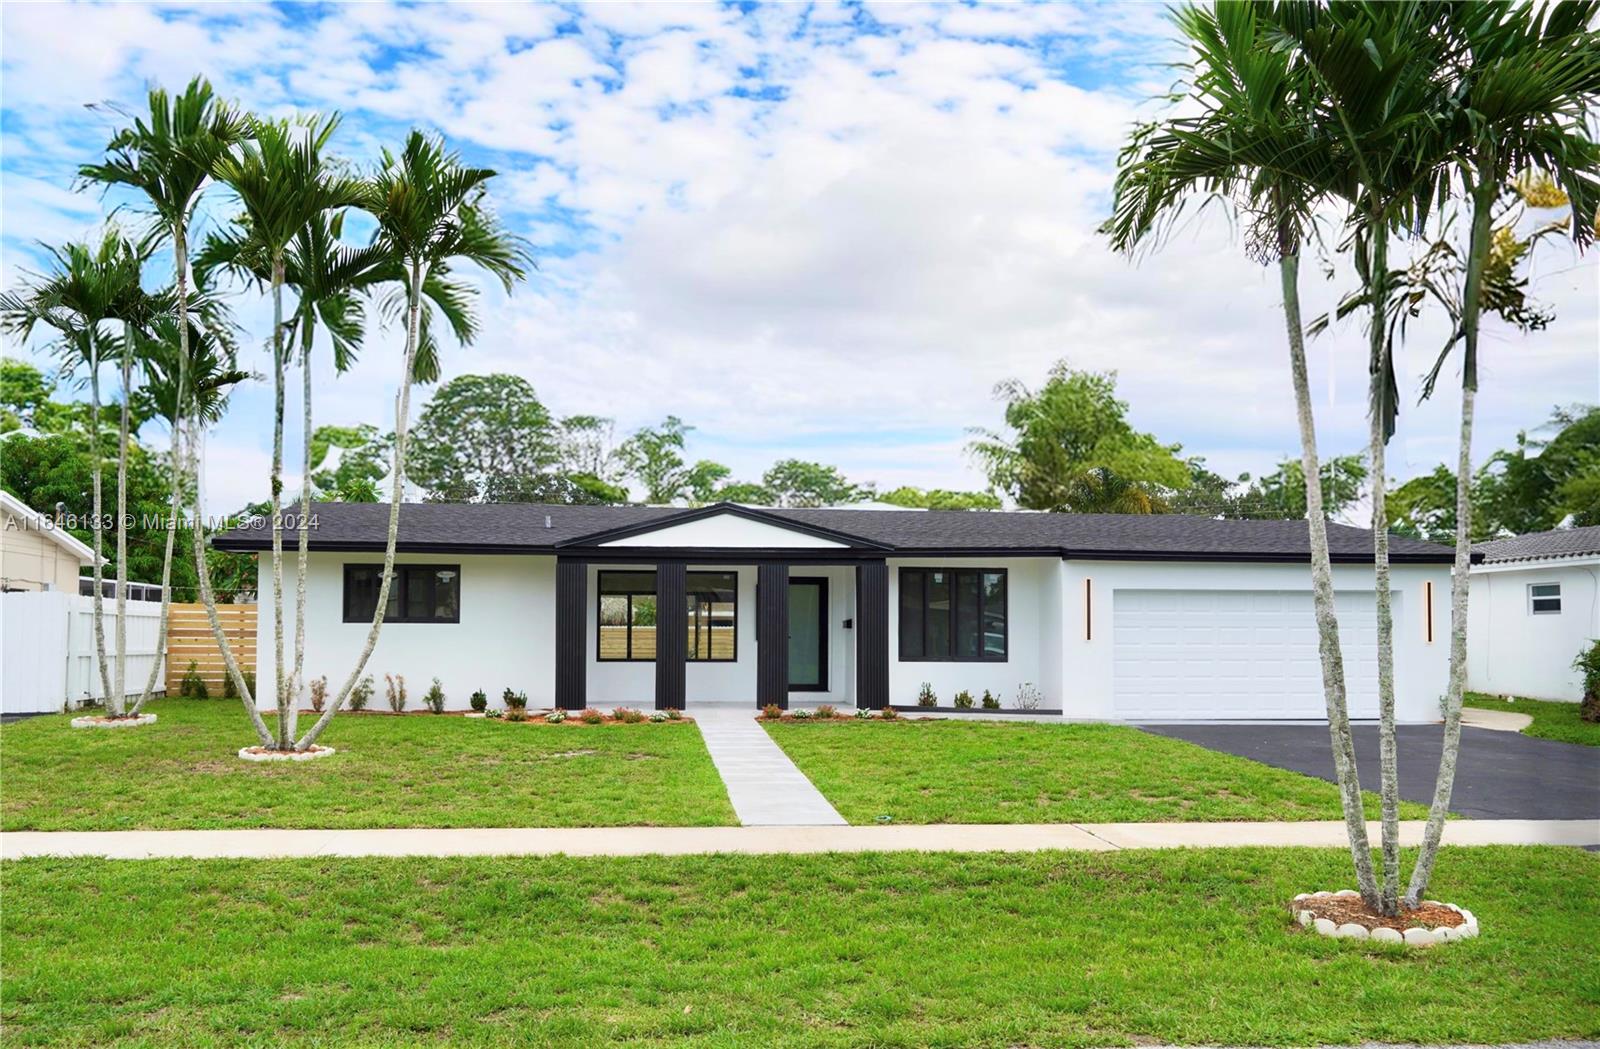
(808, 634)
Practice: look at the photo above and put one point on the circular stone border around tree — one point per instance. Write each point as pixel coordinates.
(316, 750)
(1431, 923)
(102, 721)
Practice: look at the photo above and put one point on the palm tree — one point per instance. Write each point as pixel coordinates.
(430, 210)
(87, 287)
(332, 282)
(185, 392)
(1527, 77)
(1252, 147)
(1101, 490)
(283, 182)
(167, 156)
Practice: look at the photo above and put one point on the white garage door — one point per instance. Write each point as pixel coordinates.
(1201, 655)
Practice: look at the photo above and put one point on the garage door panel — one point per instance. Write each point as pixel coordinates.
(1214, 654)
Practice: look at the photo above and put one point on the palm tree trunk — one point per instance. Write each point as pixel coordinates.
(174, 515)
(99, 568)
(198, 533)
(281, 686)
(402, 414)
(120, 678)
(1471, 311)
(302, 535)
(1333, 683)
(1388, 755)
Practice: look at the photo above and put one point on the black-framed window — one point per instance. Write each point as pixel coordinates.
(713, 616)
(953, 615)
(626, 617)
(417, 593)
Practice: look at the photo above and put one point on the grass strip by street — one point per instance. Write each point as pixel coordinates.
(1551, 719)
(390, 771)
(920, 771)
(902, 949)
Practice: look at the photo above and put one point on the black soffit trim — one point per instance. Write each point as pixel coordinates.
(717, 510)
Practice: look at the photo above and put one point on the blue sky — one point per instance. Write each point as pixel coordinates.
(820, 231)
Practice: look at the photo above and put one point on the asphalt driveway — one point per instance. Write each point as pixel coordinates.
(1499, 775)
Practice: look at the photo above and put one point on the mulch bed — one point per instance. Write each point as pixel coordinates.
(1353, 909)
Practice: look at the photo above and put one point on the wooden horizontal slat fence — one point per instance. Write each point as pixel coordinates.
(189, 637)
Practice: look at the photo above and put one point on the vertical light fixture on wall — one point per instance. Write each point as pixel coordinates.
(1427, 608)
(1088, 610)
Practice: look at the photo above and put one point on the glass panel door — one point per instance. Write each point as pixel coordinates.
(808, 635)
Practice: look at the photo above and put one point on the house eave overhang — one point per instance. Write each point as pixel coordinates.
(612, 535)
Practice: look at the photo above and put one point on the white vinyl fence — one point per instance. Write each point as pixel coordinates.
(47, 654)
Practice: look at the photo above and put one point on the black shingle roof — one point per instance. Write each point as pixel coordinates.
(521, 528)
(1562, 542)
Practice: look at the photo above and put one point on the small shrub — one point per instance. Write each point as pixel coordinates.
(193, 686)
(249, 681)
(863, 714)
(1028, 697)
(990, 701)
(516, 714)
(556, 717)
(494, 714)
(395, 689)
(826, 712)
(963, 700)
(926, 697)
(479, 701)
(627, 715)
(514, 700)
(319, 693)
(889, 713)
(772, 712)
(801, 715)
(1588, 664)
(591, 717)
(361, 694)
(230, 690)
(674, 714)
(658, 716)
(433, 699)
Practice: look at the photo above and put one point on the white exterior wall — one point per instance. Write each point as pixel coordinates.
(506, 637)
(1421, 667)
(31, 559)
(1032, 603)
(1512, 652)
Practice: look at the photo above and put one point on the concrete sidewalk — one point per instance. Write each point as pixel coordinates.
(766, 788)
(685, 841)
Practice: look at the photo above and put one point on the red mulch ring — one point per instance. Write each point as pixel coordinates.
(1353, 909)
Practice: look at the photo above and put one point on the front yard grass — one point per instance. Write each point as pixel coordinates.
(1551, 719)
(984, 772)
(901, 949)
(413, 771)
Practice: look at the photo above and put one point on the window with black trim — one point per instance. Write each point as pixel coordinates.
(1544, 599)
(713, 616)
(417, 593)
(953, 615)
(627, 617)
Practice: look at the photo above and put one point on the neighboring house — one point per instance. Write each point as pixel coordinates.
(1534, 604)
(35, 553)
(1158, 617)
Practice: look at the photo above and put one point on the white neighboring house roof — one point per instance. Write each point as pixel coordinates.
(33, 520)
(1559, 544)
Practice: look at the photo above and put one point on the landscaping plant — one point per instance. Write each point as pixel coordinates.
(361, 695)
(433, 699)
(394, 687)
(511, 699)
(772, 712)
(479, 701)
(1028, 697)
(319, 693)
(889, 714)
(556, 717)
(963, 700)
(802, 714)
(591, 717)
(990, 701)
(627, 715)
(1588, 665)
(926, 697)
(826, 712)
(193, 686)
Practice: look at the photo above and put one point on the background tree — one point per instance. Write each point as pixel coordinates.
(795, 482)
(1072, 424)
(484, 433)
(653, 455)
(347, 462)
(939, 499)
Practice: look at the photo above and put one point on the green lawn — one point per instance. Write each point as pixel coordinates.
(412, 771)
(900, 949)
(1551, 720)
(984, 772)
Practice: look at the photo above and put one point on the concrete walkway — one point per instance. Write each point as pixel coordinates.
(766, 788)
(687, 841)
(1495, 720)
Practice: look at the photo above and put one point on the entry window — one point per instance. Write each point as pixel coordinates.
(627, 617)
(417, 593)
(713, 616)
(953, 615)
(1544, 599)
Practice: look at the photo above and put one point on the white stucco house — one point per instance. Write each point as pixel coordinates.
(1103, 616)
(1534, 604)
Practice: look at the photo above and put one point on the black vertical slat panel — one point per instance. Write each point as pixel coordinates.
(672, 641)
(872, 635)
(572, 634)
(772, 650)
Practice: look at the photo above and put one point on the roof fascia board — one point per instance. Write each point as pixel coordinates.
(714, 510)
